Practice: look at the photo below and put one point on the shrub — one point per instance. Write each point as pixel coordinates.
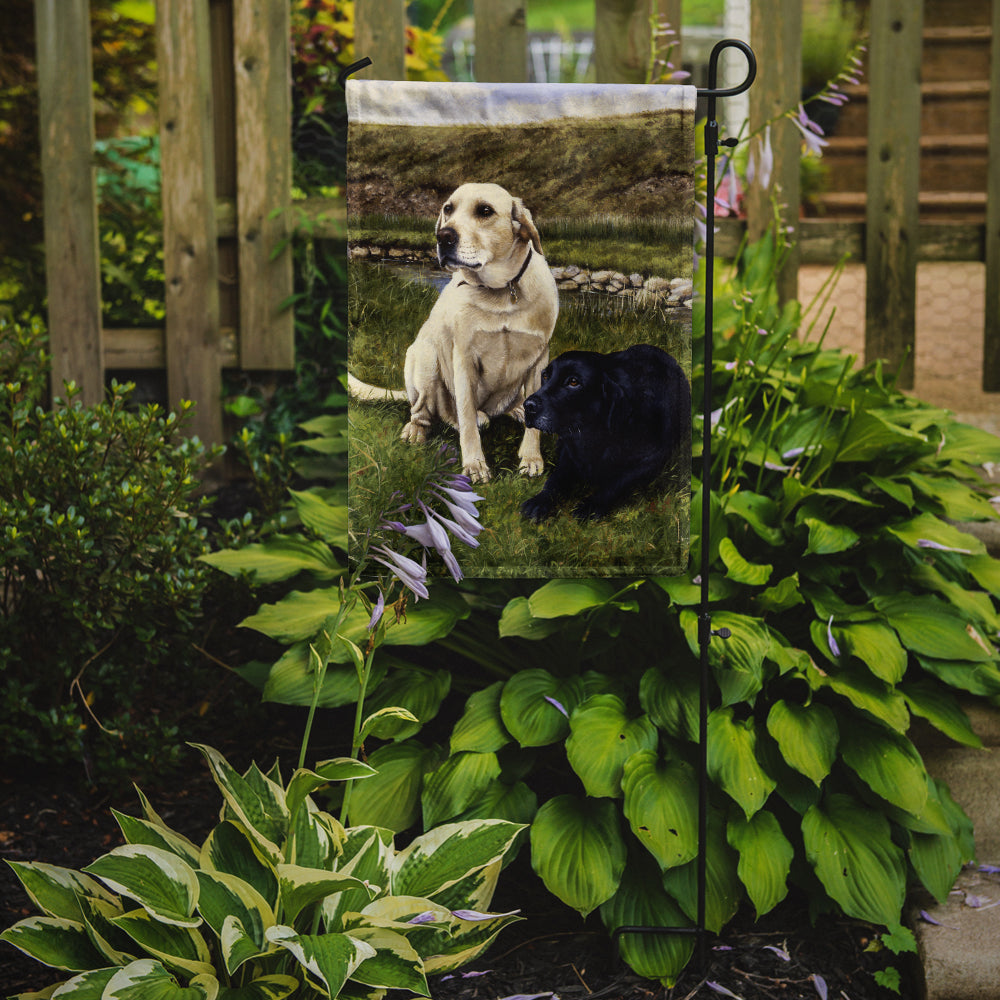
(280, 899)
(99, 540)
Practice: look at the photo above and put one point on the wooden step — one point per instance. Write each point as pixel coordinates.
(957, 206)
(956, 53)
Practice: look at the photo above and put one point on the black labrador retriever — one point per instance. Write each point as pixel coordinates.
(621, 419)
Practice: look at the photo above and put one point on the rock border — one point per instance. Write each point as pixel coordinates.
(673, 292)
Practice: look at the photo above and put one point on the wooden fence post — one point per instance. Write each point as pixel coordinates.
(501, 41)
(380, 34)
(262, 61)
(621, 40)
(991, 333)
(893, 183)
(776, 35)
(190, 250)
(72, 255)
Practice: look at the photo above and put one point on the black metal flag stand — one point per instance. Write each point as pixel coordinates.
(705, 631)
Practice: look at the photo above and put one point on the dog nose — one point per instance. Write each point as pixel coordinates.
(530, 411)
(447, 238)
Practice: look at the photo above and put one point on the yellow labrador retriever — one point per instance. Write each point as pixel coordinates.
(481, 351)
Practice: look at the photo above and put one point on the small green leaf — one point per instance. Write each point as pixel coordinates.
(535, 706)
(481, 727)
(739, 569)
(888, 763)
(456, 784)
(559, 598)
(732, 760)
(391, 798)
(807, 736)
(765, 858)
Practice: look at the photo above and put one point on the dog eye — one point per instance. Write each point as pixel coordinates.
(484, 211)
(448, 209)
(572, 381)
(545, 375)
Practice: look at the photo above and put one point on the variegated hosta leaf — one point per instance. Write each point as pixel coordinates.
(315, 838)
(807, 736)
(300, 887)
(158, 880)
(366, 856)
(141, 831)
(395, 964)
(732, 760)
(116, 946)
(256, 801)
(328, 959)
(642, 902)
(274, 987)
(765, 858)
(177, 947)
(602, 737)
(468, 939)
(304, 782)
(441, 857)
(226, 898)
(54, 941)
(850, 847)
(230, 849)
(661, 805)
(149, 980)
(578, 851)
(86, 986)
(56, 891)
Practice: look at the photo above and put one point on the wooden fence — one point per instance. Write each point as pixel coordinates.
(224, 107)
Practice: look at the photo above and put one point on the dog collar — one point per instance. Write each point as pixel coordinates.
(511, 285)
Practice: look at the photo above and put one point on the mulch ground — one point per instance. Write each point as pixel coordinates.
(551, 953)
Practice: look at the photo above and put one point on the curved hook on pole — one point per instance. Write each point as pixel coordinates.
(353, 68)
(712, 90)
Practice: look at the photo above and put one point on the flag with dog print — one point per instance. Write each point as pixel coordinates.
(519, 342)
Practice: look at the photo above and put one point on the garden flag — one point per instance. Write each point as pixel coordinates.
(519, 342)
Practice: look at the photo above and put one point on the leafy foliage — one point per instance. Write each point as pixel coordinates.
(280, 899)
(99, 540)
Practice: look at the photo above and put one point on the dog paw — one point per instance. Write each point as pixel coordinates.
(537, 508)
(482, 420)
(531, 466)
(414, 433)
(477, 471)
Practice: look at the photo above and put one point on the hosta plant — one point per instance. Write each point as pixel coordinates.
(279, 900)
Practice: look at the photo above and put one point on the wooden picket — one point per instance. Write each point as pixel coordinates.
(226, 159)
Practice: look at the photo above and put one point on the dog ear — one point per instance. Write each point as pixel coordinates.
(524, 226)
(617, 399)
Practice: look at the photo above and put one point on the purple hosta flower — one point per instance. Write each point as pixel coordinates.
(780, 952)
(377, 612)
(927, 543)
(719, 988)
(411, 573)
(831, 642)
(476, 916)
(427, 917)
(811, 132)
(760, 165)
(558, 705)
(820, 983)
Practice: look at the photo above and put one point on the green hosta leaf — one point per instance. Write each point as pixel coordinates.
(180, 948)
(517, 620)
(98, 916)
(330, 959)
(327, 520)
(230, 849)
(559, 598)
(602, 738)
(456, 784)
(54, 941)
(876, 646)
(738, 661)
(976, 678)
(297, 616)
(292, 680)
(417, 690)
(850, 848)
(279, 558)
(141, 831)
(391, 798)
(301, 887)
(760, 512)
(986, 572)
(265, 988)
(807, 736)
(765, 859)
(965, 443)
(685, 592)
(870, 436)
(466, 941)
(738, 569)
(927, 528)
(387, 723)
(957, 501)
(828, 539)
(641, 901)
(147, 979)
(395, 965)
(866, 692)
(516, 803)
(732, 761)
(159, 881)
(86, 986)
(259, 805)
(888, 763)
(481, 728)
(723, 889)
(440, 858)
(937, 859)
(672, 699)
(661, 806)
(783, 595)
(535, 706)
(56, 891)
(578, 851)
(931, 628)
(226, 898)
(941, 709)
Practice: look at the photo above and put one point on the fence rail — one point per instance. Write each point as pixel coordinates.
(226, 160)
